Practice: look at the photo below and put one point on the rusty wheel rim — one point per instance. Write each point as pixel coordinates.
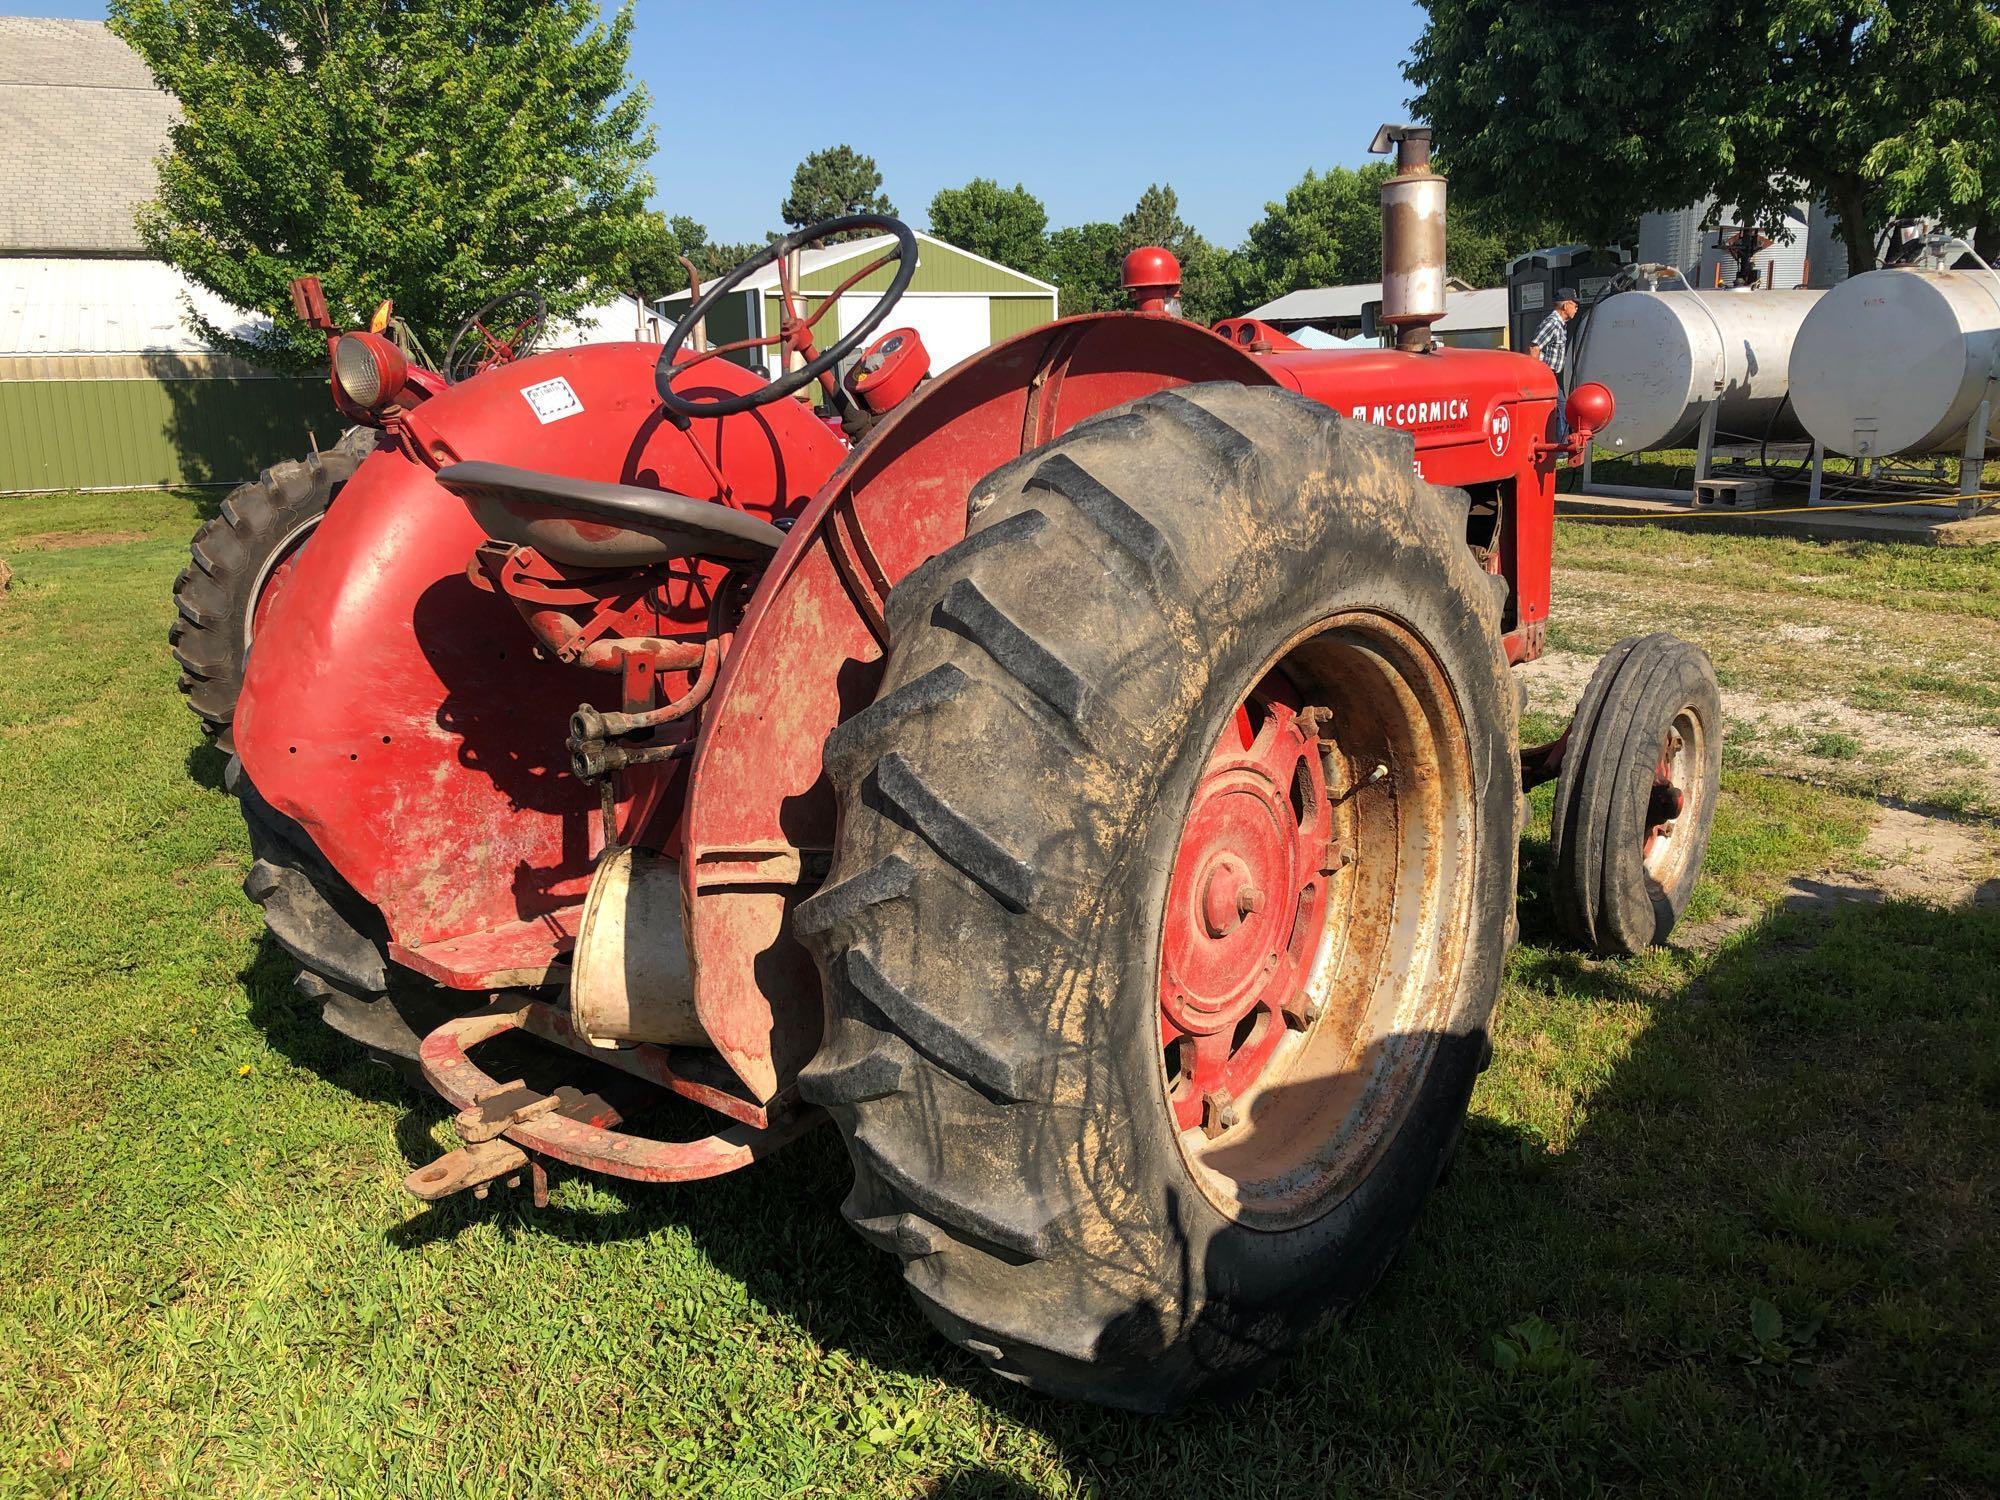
(1315, 919)
(1673, 806)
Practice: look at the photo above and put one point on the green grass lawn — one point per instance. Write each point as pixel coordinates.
(1875, 660)
(1723, 1222)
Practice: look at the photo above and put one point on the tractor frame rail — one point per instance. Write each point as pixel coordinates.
(512, 1131)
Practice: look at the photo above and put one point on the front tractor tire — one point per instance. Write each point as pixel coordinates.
(1636, 794)
(1171, 893)
(233, 562)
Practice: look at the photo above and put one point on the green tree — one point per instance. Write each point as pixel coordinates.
(1082, 260)
(1480, 239)
(1941, 156)
(1007, 225)
(1326, 232)
(1609, 108)
(718, 260)
(651, 265)
(433, 151)
(833, 183)
(1592, 110)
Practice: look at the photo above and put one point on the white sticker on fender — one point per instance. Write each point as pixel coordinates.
(552, 400)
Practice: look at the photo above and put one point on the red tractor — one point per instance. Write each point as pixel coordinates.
(1095, 787)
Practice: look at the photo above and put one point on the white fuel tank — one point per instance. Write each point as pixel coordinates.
(1668, 356)
(1898, 360)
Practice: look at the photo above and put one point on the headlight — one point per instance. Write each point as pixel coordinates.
(368, 369)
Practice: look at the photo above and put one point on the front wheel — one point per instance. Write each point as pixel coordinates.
(1636, 794)
(1171, 893)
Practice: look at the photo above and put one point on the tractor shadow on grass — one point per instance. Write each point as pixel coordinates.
(291, 1025)
(1758, 1235)
(206, 766)
(1770, 1248)
(775, 1227)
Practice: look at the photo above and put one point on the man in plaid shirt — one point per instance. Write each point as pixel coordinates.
(1551, 347)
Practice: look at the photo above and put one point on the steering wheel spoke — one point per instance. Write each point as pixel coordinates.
(502, 331)
(794, 332)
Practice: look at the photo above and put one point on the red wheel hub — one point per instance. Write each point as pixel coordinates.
(1245, 907)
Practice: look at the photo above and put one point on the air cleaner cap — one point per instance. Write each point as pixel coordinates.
(1151, 277)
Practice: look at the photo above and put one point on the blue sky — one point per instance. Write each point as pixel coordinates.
(1084, 103)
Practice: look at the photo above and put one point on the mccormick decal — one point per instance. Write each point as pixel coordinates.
(1412, 414)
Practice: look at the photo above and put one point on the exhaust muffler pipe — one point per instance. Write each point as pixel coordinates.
(1412, 237)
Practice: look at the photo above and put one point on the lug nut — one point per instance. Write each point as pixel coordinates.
(1249, 899)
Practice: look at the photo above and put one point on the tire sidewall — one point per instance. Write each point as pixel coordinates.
(1637, 906)
(1236, 1275)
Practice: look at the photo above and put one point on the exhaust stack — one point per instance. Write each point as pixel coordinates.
(1412, 237)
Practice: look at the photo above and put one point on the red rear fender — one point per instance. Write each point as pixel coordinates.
(400, 714)
(760, 819)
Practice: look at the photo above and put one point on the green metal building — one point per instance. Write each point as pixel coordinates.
(959, 302)
(102, 385)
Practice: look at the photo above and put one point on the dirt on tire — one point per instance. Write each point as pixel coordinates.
(1010, 809)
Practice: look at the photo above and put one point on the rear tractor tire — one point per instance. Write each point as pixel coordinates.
(1636, 794)
(233, 561)
(1171, 893)
(338, 941)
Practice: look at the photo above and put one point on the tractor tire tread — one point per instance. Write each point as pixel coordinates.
(1022, 526)
(1016, 652)
(226, 557)
(1020, 1227)
(996, 1070)
(935, 858)
(906, 1235)
(830, 1083)
(1123, 526)
(852, 744)
(955, 835)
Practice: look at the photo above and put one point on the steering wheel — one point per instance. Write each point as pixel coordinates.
(794, 332)
(507, 329)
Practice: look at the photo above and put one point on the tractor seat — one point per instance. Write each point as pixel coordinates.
(588, 524)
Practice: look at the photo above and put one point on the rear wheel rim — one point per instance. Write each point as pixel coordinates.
(277, 568)
(1316, 919)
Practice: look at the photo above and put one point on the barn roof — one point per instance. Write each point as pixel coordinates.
(1465, 308)
(825, 257)
(81, 126)
(1315, 304)
(54, 305)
